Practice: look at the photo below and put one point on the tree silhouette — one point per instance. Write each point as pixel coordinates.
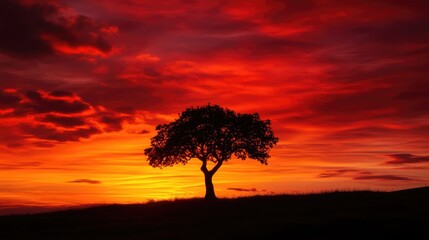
(211, 133)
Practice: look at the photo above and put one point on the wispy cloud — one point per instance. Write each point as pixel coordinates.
(405, 158)
(335, 173)
(243, 189)
(383, 177)
(85, 180)
(361, 175)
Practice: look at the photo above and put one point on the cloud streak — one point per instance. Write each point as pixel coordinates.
(405, 158)
(243, 189)
(85, 180)
(383, 177)
(335, 173)
(362, 175)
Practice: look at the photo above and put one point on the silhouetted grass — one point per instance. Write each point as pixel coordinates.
(332, 215)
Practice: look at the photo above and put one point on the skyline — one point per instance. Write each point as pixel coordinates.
(84, 83)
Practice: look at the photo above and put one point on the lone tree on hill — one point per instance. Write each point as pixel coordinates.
(211, 133)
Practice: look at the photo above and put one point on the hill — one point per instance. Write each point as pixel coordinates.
(334, 215)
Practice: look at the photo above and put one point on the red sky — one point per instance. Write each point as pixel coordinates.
(83, 83)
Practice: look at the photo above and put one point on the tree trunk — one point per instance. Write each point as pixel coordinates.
(208, 176)
(210, 193)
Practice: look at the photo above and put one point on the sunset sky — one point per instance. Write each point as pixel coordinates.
(83, 83)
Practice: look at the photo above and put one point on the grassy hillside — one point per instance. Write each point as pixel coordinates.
(336, 215)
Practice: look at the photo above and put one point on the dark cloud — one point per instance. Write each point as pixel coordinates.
(365, 133)
(11, 137)
(144, 131)
(343, 105)
(404, 158)
(44, 132)
(126, 109)
(418, 93)
(84, 180)
(60, 93)
(62, 121)
(395, 32)
(14, 145)
(44, 144)
(34, 30)
(56, 116)
(252, 45)
(263, 46)
(131, 97)
(361, 134)
(22, 38)
(40, 104)
(243, 189)
(8, 100)
(382, 177)
(215, 23)
(335, 173)
(360, 175)
(19, 165)
(113, 123)
(288, 10)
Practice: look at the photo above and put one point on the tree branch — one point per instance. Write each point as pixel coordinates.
(216, 167)
(204, 166)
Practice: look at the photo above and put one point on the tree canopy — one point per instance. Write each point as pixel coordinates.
(211, 133)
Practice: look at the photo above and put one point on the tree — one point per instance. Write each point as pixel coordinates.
(211, 133)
